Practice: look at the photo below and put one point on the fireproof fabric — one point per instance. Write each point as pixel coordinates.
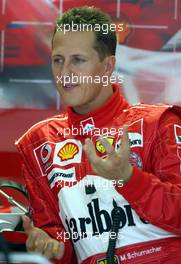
(73, 204)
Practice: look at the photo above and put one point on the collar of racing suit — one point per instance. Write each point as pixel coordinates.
(103, 115)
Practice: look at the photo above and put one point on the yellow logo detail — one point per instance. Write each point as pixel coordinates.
(68, 151)
(100, 147)
(104, 261)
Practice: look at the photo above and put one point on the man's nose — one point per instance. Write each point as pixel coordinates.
(66, 70)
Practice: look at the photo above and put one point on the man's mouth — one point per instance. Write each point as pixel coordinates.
(69, 86)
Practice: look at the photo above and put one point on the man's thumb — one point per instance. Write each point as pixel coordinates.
(27, 224)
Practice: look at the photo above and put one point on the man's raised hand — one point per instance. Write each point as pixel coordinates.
(116, 165)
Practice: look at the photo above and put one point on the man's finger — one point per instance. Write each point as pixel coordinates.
(40, 246)
(90, 151)
(27, 224)
(108, 147)
(48, 250)
(58, 250)
(125, 138)
(31, 242)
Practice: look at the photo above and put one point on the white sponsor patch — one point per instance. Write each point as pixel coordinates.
(87, 216)
(87, 124)
(44, 156)
(67, 152)
(177, 132)
(58, 174)
(136, 133)
(179, 155)
(50, 154)
(45, 152)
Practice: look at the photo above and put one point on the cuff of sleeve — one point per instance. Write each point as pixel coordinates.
(136, 186)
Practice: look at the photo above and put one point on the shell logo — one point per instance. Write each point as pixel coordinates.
(68, 151)
(100, 148)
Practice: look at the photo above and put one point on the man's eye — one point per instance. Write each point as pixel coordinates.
(60, 61)
(78, 60)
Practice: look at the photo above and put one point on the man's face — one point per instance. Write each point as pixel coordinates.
(73, 54)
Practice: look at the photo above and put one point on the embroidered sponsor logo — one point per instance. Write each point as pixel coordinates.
(99, 219)
(68, 151)
(51, 154)
(177, 131)
(45, 152)
(58, 175)
(99, 146)
(104, 260)
(135, 160)
(44, 156)
(136, 133)
(87, 124)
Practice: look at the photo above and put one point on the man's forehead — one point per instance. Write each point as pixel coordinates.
(76, 35)
(78, 42)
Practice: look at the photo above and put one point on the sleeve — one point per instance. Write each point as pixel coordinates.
(156, 196)
(45, 218)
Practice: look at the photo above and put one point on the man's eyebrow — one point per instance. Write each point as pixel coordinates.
(78, 55)
(72, 56)
(56, 55)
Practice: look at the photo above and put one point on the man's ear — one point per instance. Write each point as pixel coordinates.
(109, 65)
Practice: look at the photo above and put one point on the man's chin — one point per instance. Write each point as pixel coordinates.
(73, 103)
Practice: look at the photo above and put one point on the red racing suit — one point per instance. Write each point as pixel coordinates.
(58, 177)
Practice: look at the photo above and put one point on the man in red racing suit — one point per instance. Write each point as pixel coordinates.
(72, 196)
(56, 163)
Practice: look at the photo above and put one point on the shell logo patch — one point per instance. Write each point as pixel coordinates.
(52, 155)
(68, 151)
(99, 146)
